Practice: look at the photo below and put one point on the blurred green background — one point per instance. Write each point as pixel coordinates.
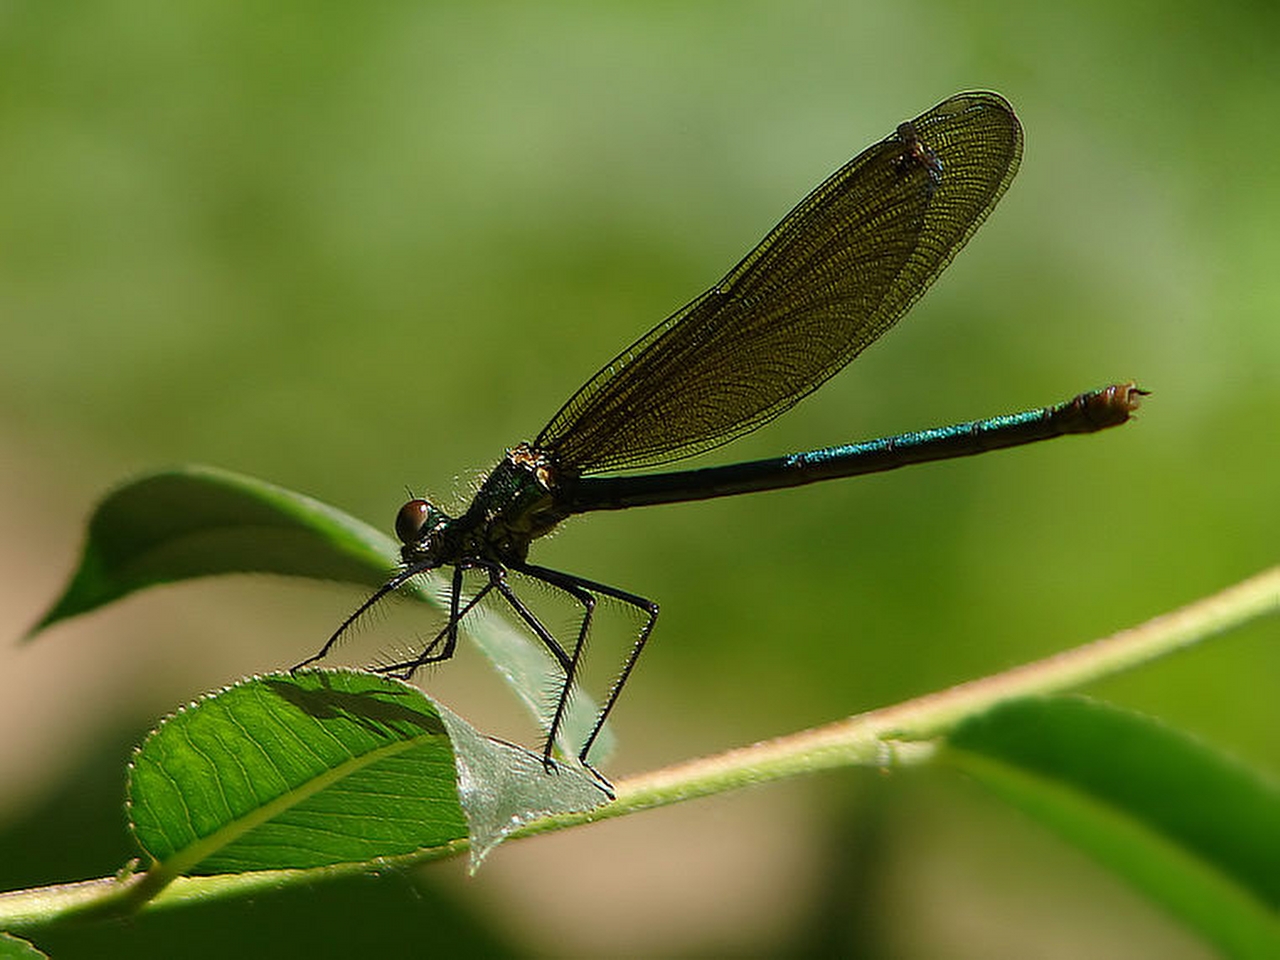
(354, 248)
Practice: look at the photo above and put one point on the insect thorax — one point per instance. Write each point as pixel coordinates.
(516, 504)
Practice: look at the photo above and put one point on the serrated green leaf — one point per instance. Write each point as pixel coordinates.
(14, 948)
(320, 768)
(329, 767)
(1194, 830)
(197, 521)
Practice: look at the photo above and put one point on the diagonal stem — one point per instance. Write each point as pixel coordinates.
(891, 735)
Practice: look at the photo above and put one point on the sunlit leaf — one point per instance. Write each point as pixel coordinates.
(12, 948)
(328, 767)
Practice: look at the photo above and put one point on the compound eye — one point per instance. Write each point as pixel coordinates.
(412, 520)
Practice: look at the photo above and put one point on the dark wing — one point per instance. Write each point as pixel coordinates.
(835, 274)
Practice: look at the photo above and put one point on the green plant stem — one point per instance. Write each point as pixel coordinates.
(899, 734)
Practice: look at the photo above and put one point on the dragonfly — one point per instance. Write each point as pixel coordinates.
(837, 272)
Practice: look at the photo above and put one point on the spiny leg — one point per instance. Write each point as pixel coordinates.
(650, 609)
(568, 662)
(390, 586)
(449, 632)
(572, 586)
(498, 580)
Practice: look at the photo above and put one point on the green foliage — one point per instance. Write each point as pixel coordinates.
(357, 247)
(11, 948)
(1194, 830)
(330, 767)
(312, 774)
(295, 772)
(200, 521)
